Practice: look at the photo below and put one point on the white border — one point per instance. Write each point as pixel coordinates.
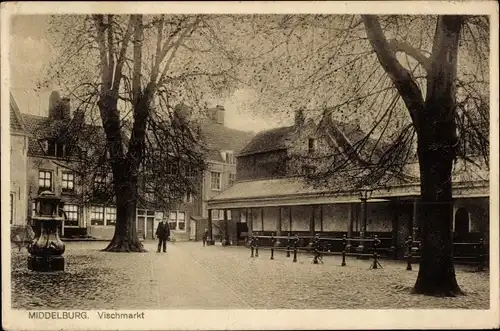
(263, 319)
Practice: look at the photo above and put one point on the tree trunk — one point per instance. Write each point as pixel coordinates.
(436, 275)
(125, 238)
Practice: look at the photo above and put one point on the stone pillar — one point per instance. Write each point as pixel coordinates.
(415, 223)
(249, 216)
(210, 232)
(278, 227)
(350, 222)
(313, 221)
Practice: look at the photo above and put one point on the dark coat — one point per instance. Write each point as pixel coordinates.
(163, 231)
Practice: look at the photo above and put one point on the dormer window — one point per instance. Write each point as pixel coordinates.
(55, 149)
(312, 145)
(228, 157)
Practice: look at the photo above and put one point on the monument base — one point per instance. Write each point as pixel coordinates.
(46, 263)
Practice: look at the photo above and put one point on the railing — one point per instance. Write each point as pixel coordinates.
(478, 257)
(317, 246)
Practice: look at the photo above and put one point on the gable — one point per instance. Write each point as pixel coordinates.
(16, 122)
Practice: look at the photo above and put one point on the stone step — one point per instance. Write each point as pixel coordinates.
(180, 236)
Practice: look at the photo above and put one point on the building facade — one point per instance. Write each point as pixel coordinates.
(272, 196)
(88, 207)
(18, 167)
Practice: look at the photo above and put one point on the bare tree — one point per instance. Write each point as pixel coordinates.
(146, 66)
(371, 68)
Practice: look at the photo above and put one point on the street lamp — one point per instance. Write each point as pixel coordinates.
(365, 193)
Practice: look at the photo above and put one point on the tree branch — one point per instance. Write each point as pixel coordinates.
(400, 46)
(121, 57)
(401, 78)
(176, 45)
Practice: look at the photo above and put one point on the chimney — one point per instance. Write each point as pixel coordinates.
(65, 109)
(299, 117)
(217, 114)
(183, 112)
(54, 100)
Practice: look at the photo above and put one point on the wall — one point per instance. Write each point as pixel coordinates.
(478, 209)
(18, 164)
(380, 216)
(263, 165)
(336, 217)
(207, 193)
(299, 146)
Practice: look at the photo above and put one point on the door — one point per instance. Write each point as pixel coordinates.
(192, 230)
(141, 224)
(461, 224)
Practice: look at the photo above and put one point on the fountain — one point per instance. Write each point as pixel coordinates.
(47, 248)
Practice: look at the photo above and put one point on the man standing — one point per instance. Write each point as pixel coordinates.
(162, 233)
(205, 236)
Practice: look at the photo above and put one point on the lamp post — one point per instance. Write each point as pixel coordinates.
(365, 193)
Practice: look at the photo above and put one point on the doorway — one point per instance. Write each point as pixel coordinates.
(462, 227)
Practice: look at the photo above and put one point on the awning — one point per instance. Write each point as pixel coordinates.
(295, 191)
(198, 218)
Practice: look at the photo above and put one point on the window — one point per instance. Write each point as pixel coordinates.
(228, 157)
(56, 149)
(177, 221)
(190, 171)
(45, 180)
(11, 208)
(215, 183)
(216, 215)
(71, 212)
(100, 182)
(232, 178)
(149, 196)
(172, 169)
(189, 197)
(312, 145)
(110, 216)
(68, 182)
(172, 221)
(97, 215)
(181, 221)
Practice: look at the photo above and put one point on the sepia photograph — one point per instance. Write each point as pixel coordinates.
(248, 165)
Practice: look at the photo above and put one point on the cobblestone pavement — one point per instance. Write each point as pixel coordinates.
(192, 276)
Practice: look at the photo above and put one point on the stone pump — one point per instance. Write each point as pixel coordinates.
(46, 249)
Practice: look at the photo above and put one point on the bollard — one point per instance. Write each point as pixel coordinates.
(257, 247)
(375, 264)
(344, 242)
(295, 248)
(480, 256)
(272, 247)
(288, 246)
(408, 244)
(316, 249)
(251, 247)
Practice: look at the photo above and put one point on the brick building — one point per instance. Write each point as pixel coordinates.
(89, 209)
(271, 194)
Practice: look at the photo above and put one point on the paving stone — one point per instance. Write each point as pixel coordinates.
(193, 276)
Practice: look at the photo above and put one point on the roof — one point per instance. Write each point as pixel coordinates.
(16, 121)
(41, 127)
(217, 138)
(36, 126)
(294, 191)
(269, 140)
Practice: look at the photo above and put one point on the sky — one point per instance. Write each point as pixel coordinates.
(31, 53)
